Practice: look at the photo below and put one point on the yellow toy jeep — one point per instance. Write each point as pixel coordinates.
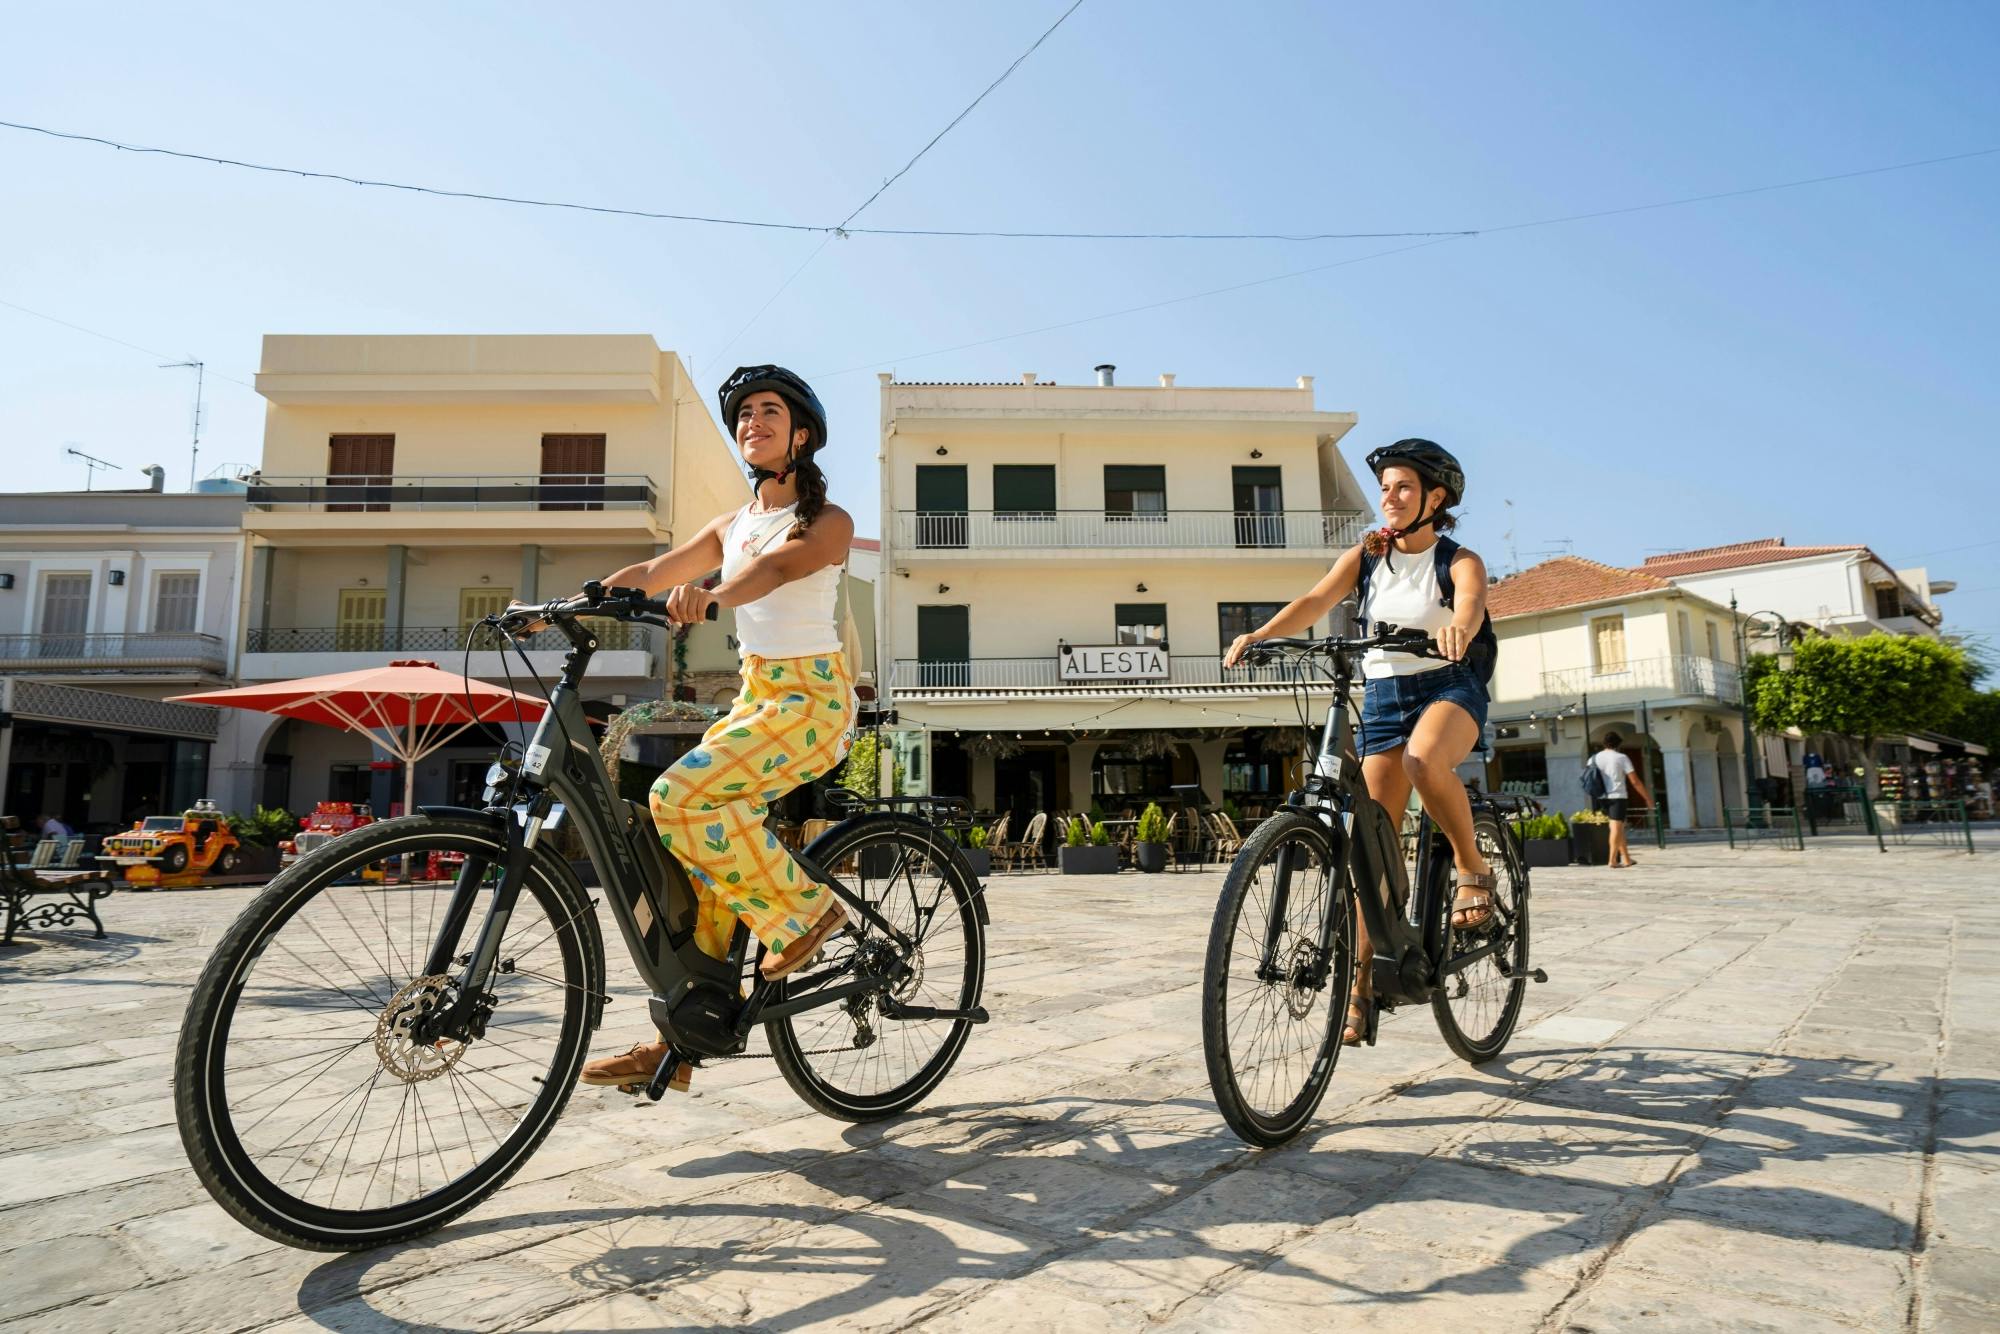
(196, 842)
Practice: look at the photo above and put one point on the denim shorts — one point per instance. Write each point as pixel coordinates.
(1391, 705)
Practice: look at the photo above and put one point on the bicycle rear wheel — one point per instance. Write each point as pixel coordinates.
(1271, 1034)
(849, 1059)
(1477, 1006)
(305, 1107)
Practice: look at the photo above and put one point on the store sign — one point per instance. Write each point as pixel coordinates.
(1113, 662)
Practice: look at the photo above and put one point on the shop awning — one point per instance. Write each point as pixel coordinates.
(1921, 743)
(1949, 745)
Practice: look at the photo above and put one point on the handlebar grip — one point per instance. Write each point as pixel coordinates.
(714, 611)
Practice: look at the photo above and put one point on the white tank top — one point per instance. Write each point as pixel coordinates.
(1404, 592)
(792, 620)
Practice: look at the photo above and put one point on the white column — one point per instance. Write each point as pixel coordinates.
(1680, 786)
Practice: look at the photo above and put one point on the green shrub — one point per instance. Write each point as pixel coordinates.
(977, 838)
(1232, 810)
(1551, 825)
(264, 829)
(1589, 817)
(862, 774)
(1152, 824)
(1100, 836)
(1075, 836)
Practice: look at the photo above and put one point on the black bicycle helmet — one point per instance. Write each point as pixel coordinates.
(747, 380)
(1433, 462)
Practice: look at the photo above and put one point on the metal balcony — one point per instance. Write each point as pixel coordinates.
(125, 653)
(1099, 530)
(612, 637)
(449, 492)
(1675, 677)
(976, 674)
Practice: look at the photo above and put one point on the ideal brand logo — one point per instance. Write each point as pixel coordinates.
(1120, 662)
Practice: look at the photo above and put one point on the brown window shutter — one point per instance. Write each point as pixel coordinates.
(361, 459)
(570, 461)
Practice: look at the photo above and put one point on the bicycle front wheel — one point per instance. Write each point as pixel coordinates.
(1478, 1001)
(306, 1108)
(1280, 964)
(852, 1059)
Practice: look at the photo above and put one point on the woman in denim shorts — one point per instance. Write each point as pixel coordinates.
(1420, 716)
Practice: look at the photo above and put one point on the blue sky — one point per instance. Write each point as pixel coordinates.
(1816, 363)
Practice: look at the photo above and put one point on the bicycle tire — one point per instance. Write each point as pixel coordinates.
(1498, 992)
(800, 1042)
(1240, 891)
(209, 1127)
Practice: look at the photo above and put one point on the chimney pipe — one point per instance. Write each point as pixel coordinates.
(157, 474)
(1104, 374)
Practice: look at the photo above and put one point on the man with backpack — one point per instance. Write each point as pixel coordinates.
(1606, 777)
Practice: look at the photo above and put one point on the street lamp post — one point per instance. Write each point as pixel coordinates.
(1753, 796)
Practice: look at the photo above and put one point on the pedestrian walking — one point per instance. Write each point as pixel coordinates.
(1620, 780)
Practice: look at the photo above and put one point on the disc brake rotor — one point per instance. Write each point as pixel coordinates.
(408, 1060)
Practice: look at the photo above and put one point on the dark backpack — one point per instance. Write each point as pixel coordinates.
(1485, 645)
(1593, 779)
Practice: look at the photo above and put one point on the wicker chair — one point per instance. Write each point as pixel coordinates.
(1228, 840)
(1028, 846)
(996, 838)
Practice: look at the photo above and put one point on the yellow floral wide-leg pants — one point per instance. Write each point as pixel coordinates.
(793, 723)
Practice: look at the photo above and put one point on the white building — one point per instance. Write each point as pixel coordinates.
(109, 602)
(1834, 589)
(1062, 566)
(1589, 649)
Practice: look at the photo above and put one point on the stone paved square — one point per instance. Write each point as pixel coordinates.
(1761, 1090)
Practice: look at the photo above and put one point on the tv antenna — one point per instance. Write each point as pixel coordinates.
(1513, 552)
(92, 465)
(195, 453)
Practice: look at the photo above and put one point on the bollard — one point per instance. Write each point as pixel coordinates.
(1873, 821)
(1728, 829)
(1798, 833)
(1965, 822)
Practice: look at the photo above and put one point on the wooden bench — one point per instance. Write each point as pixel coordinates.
(67, 897)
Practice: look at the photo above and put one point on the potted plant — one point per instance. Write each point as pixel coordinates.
(1544, 840)
(976, 853)
(259, 834)
(1087, 850)
(1590, 838)
(1150, 840)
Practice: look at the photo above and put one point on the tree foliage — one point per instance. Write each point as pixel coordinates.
(1866, 688)
(862, 774)
(1979, 720)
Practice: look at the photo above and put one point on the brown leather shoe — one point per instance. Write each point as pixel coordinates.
(807, 947)
(633, 1070)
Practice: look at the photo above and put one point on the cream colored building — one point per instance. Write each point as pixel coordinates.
(412, 484)
(1062, 566)
(1587, 649)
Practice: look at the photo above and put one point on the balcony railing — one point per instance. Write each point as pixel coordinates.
(612, 637)
(1214, 530)
(444, 492)
(1649, 678)
(1046, 674)
(159, 652)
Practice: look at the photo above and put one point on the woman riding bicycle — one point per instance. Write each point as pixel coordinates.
(1420, 716)
(781, 556)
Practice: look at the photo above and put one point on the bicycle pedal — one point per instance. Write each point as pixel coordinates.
(1539, 975)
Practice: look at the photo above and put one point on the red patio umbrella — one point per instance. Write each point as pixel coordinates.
(409, 708)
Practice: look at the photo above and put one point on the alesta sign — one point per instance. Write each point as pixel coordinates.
(1113, 662)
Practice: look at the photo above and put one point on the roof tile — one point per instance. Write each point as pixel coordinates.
(1566, 581)
(1762, 551)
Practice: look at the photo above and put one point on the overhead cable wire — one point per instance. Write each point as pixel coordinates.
(845, 229)
(151, 352)
(840, 230)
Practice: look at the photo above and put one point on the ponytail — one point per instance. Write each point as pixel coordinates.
(812, 493)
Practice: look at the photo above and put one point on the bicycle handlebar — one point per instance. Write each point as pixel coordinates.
(1390, 637)
(618, 604)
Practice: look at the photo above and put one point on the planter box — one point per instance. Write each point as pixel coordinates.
(979, 859)
(1151, 857)
(879, 863)
(1591, 843)
(1088, 860)
(1545, 851)
(254, 860)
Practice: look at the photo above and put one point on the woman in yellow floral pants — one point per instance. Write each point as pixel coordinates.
(781, 557)
(793, 723)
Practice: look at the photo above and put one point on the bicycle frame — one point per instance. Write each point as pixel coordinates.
(563, 777)
(1409, 943)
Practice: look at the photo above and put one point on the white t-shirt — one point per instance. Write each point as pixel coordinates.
(792, 620)
(1403, 591)
(1614, 765)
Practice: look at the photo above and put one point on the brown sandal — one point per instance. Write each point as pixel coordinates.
(1472, 906)
(806, 948)
(1360, 1014)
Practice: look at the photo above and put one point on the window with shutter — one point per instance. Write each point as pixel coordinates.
(572, 472)
(476, 604)
(1024, 491)
(1607, 638)
(360, 468)
(65, 612)
(1141, 623)
(175, 599)
(358, 624)
(1135, 491)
